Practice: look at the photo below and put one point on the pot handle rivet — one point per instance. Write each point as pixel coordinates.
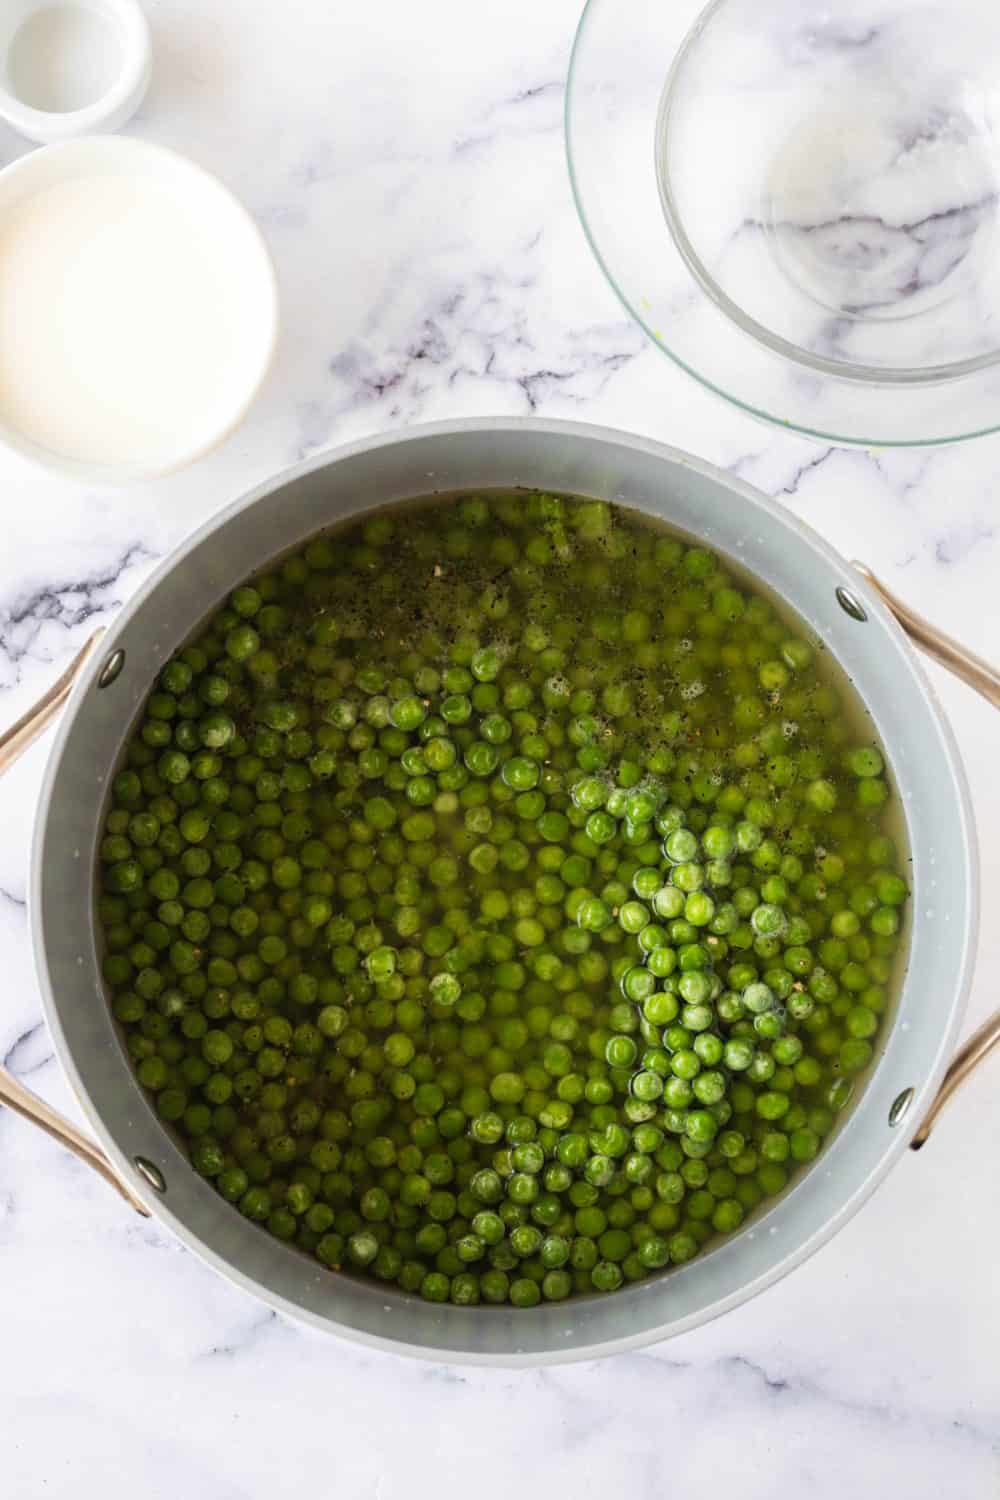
(151, 1172)
(111, 669)
(900, 1106)
(850, 604)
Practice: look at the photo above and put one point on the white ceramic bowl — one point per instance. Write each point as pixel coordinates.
(173, 411)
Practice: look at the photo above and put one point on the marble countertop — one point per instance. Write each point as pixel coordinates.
(406, 165)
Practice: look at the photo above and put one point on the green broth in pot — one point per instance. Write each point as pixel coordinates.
(499, 898)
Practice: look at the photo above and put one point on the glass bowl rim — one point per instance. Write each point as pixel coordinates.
(700, 280)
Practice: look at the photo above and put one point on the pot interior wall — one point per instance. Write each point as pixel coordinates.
(759, 537)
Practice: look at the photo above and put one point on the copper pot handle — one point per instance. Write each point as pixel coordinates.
(979, 674)
(23, 1102)
(13, 744)
(934, 643)
(964, 664)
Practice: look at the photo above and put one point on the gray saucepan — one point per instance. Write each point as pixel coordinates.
(842, 608)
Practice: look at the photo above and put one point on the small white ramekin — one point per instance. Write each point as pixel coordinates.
(120, 99)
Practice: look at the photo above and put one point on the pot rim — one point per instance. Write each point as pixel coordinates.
(924, 1090)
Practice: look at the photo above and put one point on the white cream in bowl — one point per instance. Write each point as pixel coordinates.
(138, 309)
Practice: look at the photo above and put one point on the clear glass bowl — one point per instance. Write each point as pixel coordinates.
(800, 202)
